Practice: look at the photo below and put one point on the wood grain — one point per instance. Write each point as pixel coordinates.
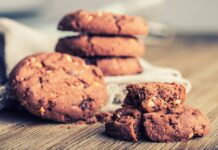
(198, 62)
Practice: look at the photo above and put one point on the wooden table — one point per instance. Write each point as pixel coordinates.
(198, 62)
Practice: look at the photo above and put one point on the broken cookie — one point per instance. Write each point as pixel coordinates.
(125, 124)
(177, 124)
(155, 96)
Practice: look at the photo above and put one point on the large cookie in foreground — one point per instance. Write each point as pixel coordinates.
(177, 124)
(155, 96)
(114, 66)
(104, 23)
(58, 87)
(125, 124)
(90, 45)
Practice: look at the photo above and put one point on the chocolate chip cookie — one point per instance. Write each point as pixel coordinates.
(104, 23)
(125, 124)
(90, 45)
(155, 96)
(58, 87)
(114, 66)
(177, 124)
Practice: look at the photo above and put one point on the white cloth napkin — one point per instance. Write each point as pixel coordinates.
(21, 41)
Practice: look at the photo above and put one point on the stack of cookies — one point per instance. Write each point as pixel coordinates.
(106, 40)
(156, 111)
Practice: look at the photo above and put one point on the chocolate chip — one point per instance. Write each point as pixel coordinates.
(86, 104)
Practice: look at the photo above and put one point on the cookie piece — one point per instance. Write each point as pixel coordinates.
(125, 124)
(177, 124)
(89, 45)
(103, 116)
(114, 66)
(155, 96)
(58, 87)
(103, 23)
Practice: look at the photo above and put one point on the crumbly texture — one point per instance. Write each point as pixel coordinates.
(100, 117)
(155, 96)
(58, 87)
(177, 124)
(104, 23)
(104, 116)
(125, 124)
(114, 66)
(90, 45)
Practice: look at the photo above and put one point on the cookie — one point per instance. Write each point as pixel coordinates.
(177, 124)
(125, 124)
(155, 96)
(90, 45)
(104, 23)
(103, 116)
(58, 87)
(114, 66)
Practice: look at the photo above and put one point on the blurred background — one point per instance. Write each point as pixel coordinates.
(167, 19)
(183, 16)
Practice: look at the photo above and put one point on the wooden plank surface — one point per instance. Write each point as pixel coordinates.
(198, 62)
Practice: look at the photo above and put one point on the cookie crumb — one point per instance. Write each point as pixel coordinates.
(190, 135)
(42, 111)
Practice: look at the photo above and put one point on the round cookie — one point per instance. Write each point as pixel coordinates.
(125, 124)
(58, 87)
(177, 124)
(90, 45)
(114, 66)
(103, 23)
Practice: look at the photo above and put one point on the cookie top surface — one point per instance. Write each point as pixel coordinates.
(155, 96)
(114, 66)
(90, 45)
(176, 124)
(103, 23)
(58, 86)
